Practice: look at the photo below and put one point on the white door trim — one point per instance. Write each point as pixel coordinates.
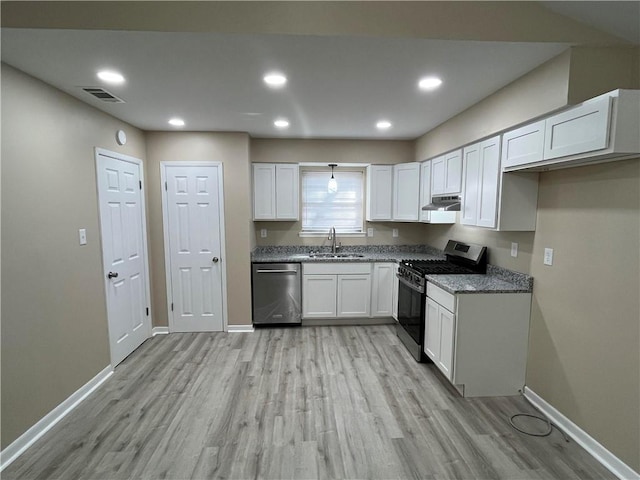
(126, 158)
(165, 230)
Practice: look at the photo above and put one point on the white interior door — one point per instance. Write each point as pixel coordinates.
(122, 221)
(194, 244)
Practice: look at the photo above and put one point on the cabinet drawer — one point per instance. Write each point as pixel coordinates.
(336, 268)
(445, 299)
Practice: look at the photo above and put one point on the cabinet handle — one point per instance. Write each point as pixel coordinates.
(112, 275)
(215, 259)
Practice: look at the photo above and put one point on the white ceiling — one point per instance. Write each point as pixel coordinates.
(338, 86)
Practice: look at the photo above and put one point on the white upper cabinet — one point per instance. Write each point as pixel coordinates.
(379, 193)
(287, 195)
(406, 192)
(523, 145)
(446, 173)
(491, 199)
(470, 183)
(430, 216)
(602, 129)
(264, 191)
(582, 129)
(480, 183)
(276, 191)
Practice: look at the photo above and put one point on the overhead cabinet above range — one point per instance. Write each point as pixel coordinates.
(602, 129)
(275, 191)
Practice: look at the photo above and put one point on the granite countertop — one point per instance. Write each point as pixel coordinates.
(497, 279)
(370, 253)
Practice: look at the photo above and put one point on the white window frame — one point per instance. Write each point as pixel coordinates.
(326, 170)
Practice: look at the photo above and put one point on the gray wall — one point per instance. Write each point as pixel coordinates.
(54, 322)
(232, 149)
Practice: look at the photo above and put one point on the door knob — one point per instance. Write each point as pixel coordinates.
(215, 259)
(112, 275)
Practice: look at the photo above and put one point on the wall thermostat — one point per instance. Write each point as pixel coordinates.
(121, 137)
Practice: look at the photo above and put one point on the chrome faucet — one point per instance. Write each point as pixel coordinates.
(332, 237)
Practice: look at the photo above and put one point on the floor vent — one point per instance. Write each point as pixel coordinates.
(102, 94)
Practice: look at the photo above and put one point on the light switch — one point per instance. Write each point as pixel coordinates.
(514, 249)
(82, 234)
(548, 256)
(369, 232)
(263, 233)
(394, 233)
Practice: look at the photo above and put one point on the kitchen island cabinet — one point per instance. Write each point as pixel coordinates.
(478, 341)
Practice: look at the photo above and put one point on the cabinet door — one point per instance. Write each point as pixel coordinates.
(432, 331)
(264, 191)
(437, 176)
(406, 191)
(287, 198)
(523, 145)
(354, 295)
(582, 129)
(425, 190)
(319, 296)
(382, 289)
(453, 172)
(447, 325)
(396, 286)
(379, 192)
(488, 184)
(470, 185)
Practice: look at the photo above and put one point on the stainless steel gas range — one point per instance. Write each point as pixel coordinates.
(461, 258)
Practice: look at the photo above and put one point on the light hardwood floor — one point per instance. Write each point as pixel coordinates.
(310, 402)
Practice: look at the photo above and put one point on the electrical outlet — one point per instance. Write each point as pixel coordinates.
(369, 232)
(548, 256)
(394, 233)
(514, 249)
(263, 233)
(82, 234)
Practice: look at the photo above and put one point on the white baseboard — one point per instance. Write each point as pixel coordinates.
(240, 328)
(28, 438)
(582, 438)
(159, 331)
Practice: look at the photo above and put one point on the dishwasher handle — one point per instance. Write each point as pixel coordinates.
(276, 271)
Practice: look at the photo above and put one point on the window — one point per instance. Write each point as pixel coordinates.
(343, 209)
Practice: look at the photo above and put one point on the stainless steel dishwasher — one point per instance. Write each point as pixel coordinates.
(276, 293)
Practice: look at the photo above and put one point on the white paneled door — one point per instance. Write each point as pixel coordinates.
(194, 246)
(122, 221)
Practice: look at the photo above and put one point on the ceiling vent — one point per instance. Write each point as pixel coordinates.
(102, 95)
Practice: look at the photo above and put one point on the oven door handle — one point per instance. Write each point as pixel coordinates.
(412, 287)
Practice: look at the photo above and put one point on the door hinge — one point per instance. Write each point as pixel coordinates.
(147, 311)
(140, 183)
(165, 186)
(172, 307)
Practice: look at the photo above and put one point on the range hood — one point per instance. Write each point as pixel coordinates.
(449, 203)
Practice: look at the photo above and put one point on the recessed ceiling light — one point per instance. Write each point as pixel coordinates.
(281, 123)
(275, 79)
(383, 125)
(429, 83)
(110, 76)
(176, 122)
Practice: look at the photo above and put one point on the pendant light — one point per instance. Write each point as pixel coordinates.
(332, 186)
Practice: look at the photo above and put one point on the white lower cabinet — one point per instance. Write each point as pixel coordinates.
(439, 336)
(319, 296)
(478, 341)
(354, 293)
(336, 290)
(382, 289)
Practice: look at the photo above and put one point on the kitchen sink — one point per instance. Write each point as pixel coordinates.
(336, 255)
